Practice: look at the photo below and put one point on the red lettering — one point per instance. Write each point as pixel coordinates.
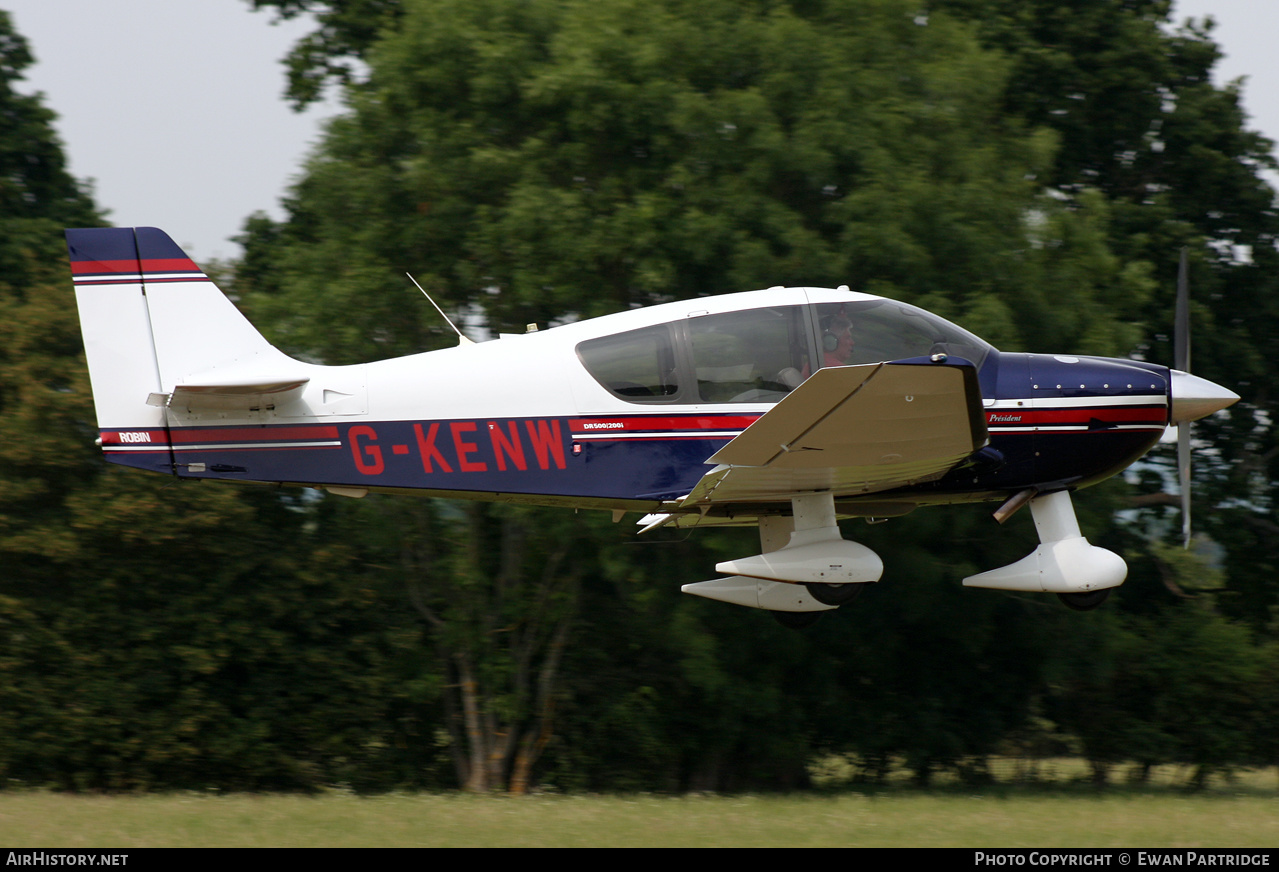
(510, 448)
(546, 441)
(426, 446)
(465, 448)
(373, 464)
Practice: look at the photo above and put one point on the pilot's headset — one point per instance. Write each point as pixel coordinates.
(832, 326)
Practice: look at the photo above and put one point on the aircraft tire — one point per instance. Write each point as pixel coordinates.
(835, 594)
(1084, 602)
(795, 620)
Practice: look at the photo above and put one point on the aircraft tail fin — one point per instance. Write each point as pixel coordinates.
(156, 327)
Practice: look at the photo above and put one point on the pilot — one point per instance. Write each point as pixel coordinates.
(837, 339)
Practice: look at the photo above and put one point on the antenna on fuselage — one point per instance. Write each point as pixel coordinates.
(461, 338)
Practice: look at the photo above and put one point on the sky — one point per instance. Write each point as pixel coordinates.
(175, 110)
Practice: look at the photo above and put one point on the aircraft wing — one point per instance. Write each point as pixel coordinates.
(853, 430)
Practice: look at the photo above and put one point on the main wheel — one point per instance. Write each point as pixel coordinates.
(795, 620)
(835, 594)
(1084, 602)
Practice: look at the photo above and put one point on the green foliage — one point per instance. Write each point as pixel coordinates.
(1178, 686)
(347, 29)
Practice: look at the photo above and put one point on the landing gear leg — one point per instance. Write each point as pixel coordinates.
(774, 534)
(814, 553)
(804, 566)
(807, 549)
(1081, 574)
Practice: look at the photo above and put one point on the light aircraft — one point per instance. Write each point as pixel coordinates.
(786, 408)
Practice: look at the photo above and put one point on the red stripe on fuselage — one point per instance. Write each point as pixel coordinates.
(640, 423)
(1154, 415)
(158, 436)
(188, 435)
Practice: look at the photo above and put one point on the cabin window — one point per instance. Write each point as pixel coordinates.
(751, 356)
(638, 365)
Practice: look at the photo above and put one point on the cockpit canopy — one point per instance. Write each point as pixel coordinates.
(759, 355)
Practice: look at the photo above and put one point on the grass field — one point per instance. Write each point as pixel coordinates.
(1241, 814)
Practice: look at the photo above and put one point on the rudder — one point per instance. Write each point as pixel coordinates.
(152, 322)
(118, 344)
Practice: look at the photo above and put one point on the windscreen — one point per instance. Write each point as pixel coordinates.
(871, 331)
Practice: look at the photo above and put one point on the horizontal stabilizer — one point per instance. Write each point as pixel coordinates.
(235, 394)
(241, 388)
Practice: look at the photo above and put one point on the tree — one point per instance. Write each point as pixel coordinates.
(499, 604)
(1177, 689)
